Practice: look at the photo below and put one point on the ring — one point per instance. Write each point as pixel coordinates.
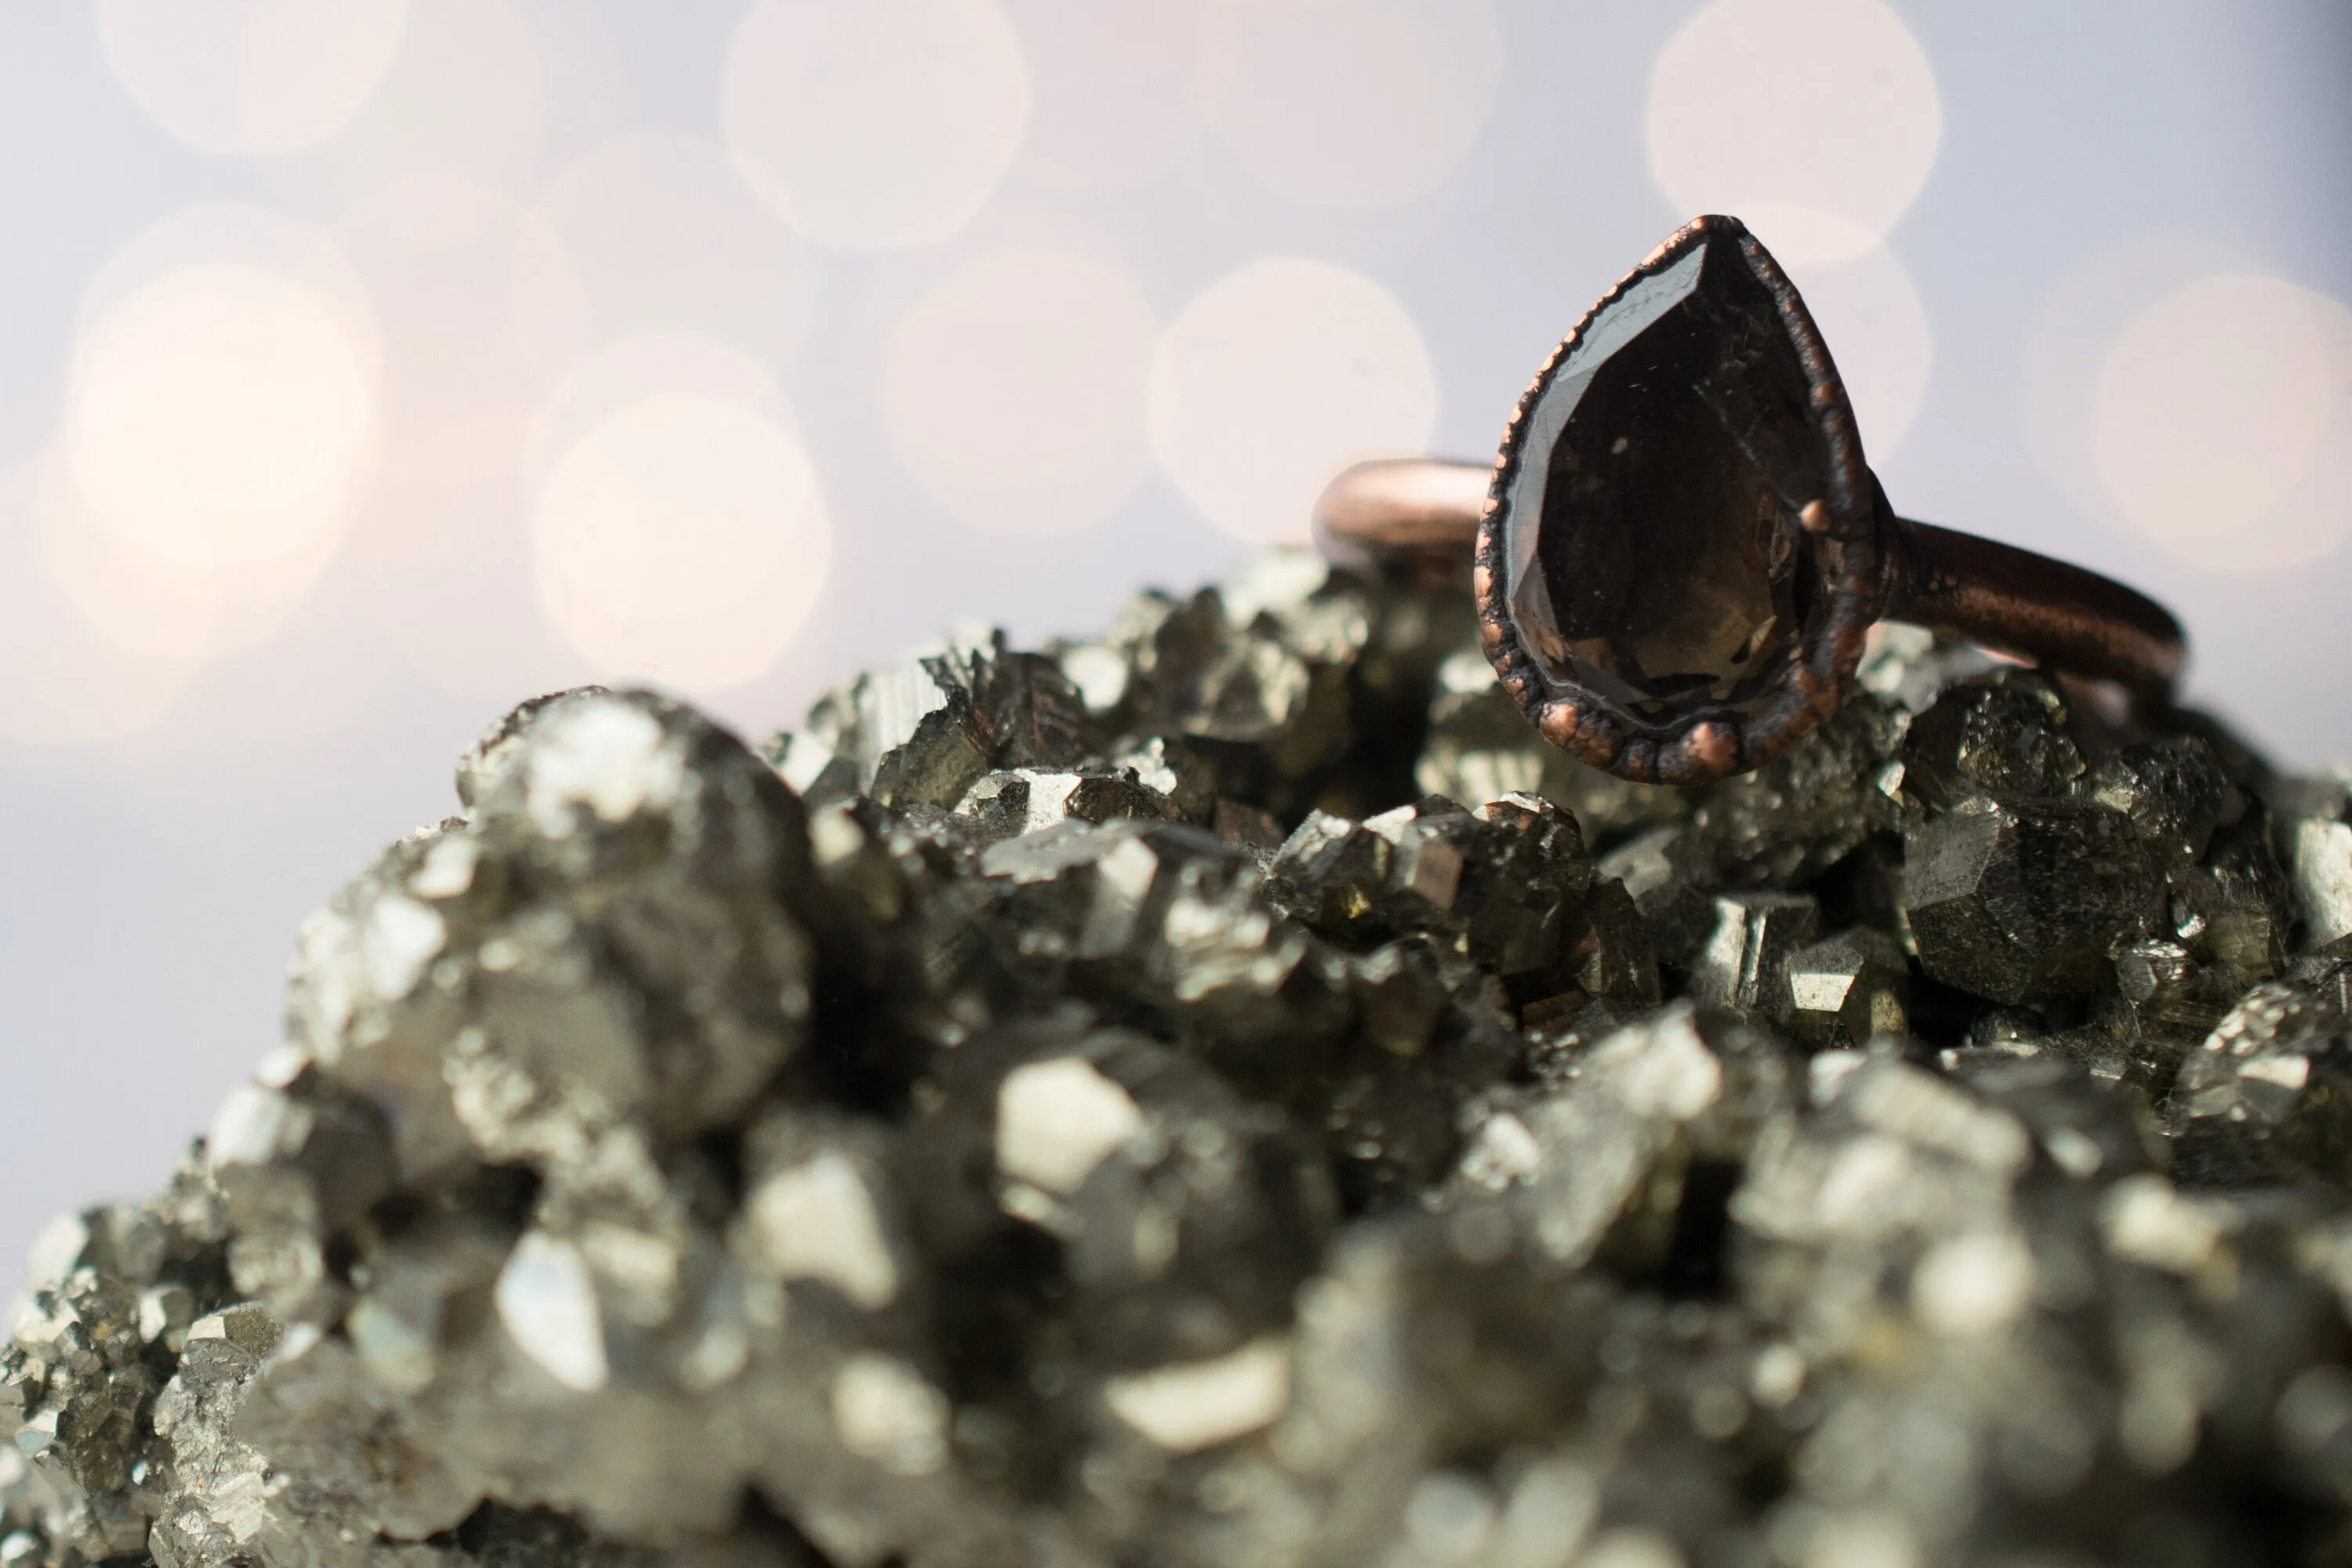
(1680, 549)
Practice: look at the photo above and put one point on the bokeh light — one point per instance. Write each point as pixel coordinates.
(1114, 89)
(2087, 307)
(679, 532)
(68, 683)
(219, 417)
(622, 374)
(157, 608)
(438, 562)
(467, 98)
(653, 232)
(221, 422)
(1276, 376)
(221, 425)
(251, 77)
(1872, 317)
(1351, 104)
(1818, 120)
(467, 347)
(882, 125)
(2221, 426)
(1014, 389)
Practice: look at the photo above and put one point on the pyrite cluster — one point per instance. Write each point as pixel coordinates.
(1228, 1094)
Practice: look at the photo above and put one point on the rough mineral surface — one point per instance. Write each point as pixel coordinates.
(1227, 1094)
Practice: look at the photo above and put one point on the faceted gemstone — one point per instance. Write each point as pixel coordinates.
(1656, 554)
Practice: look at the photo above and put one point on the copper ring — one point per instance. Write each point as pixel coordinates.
(1683, 486)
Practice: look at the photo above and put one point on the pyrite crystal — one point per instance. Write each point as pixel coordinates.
(1228, 1093)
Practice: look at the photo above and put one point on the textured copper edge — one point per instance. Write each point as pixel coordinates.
(1706, 744)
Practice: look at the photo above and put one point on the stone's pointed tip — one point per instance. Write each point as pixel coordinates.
(1705, 229)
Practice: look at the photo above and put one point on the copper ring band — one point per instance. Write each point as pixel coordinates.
(1421, 516)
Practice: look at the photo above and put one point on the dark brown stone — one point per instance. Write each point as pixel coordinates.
(1669, 565)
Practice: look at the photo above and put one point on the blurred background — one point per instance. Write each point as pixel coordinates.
(367, 365)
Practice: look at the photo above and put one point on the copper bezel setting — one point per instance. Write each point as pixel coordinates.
(1709, 740)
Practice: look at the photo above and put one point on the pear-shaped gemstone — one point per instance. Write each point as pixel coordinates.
(1660, 548)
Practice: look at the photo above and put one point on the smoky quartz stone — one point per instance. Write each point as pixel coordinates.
(1658, 554)
(1685, 522)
